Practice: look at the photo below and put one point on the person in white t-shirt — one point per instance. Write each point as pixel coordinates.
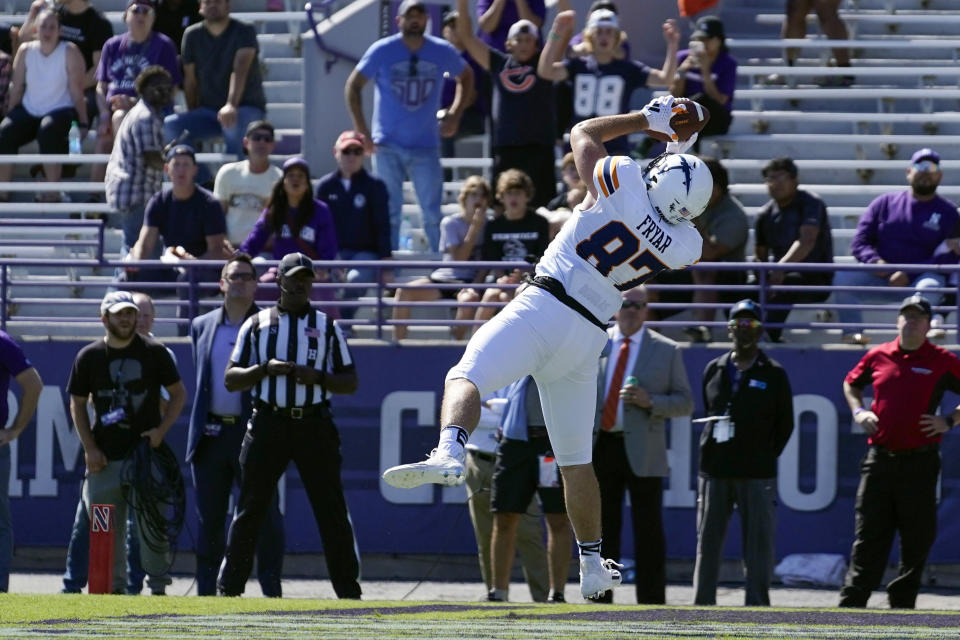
(635, 223)
(243, 188)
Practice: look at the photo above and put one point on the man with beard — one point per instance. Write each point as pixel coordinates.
(408, 69)
(122, 376)
(748, 397)
(903, 227)
(290, 357)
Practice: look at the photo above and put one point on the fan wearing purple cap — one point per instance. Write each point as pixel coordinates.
(902, 227)
(524, 120)
(408, 70)
(123, 58)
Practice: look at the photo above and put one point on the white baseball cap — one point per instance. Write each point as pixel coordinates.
(522, 26)
(603, 18)
(117, 301)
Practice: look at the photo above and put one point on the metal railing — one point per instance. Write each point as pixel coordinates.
(191, 296)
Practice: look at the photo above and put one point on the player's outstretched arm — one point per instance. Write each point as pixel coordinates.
(587, 137)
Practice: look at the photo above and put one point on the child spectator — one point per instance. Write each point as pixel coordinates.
(523, 113)
(461, 238)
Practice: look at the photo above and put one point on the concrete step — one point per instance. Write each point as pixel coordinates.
(283, 91)
(283, 69)
(285, 115)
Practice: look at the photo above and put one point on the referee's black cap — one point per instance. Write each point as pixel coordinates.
(292, 263)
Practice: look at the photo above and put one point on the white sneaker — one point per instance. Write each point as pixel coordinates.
(438, 468)
(597, 576)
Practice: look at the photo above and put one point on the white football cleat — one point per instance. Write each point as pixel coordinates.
(597, 576)
(438, 468)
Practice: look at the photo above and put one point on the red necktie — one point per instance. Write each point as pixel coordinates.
(609, 416)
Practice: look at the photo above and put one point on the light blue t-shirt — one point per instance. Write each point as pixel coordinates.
(408, 88)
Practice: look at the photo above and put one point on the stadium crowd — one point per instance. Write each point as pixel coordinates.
(501, 74)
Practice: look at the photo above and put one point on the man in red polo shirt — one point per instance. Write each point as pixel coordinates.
(898, 475)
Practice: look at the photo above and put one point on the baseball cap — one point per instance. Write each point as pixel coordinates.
(259, 124)
(450, 17)
(296, 162)
(349, 139)
(925, 154)
(708, 27)
(182, 150)
(406, 5)
(746, 306)
(602, 4)
(116, 301)
(146, 3)
(603, 18)
(916, 301)
(293, 263)
(522, 26)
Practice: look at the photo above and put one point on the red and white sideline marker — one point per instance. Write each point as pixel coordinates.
(101, 548)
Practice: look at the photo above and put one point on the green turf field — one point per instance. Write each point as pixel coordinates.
(84, 616)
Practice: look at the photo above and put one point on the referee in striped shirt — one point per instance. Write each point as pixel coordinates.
(290, 356)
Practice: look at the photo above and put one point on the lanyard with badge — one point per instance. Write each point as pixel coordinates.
(724, 427)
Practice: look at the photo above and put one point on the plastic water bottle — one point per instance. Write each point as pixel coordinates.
(406, 234)
(74, 138)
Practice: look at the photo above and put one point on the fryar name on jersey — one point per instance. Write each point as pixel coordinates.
(656, 236)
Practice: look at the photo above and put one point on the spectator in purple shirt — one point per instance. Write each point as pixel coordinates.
(903, 227)
(495, 17)
(295, 222)
(13, 364)
(122, 59)
(707, 73)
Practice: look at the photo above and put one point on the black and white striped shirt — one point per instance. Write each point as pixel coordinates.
(302, 339)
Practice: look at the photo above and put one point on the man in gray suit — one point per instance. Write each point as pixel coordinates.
(641, 383)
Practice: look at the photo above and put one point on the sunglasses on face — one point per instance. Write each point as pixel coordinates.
(261, 137)
(926, 165)
(744, 323)
(413, 66)
(240, 277)
(629, 304)
(352, 151)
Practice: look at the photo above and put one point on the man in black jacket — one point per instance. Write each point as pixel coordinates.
(748, 396)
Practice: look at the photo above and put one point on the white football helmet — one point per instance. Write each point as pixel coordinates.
(679, 186)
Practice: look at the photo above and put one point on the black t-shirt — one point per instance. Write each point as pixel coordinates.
(516, 240)
(523, 103)
(88, 30)
(174, 18)
(777, 228)
(128, 379)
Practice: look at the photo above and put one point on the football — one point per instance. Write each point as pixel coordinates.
(689, 117)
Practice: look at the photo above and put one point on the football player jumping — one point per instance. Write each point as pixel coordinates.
(633, 224)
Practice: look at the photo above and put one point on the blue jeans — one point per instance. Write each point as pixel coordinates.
(356, 275)
(393, 164)
(78, 554)
(854, 317)
(6, 525)
(202, 124)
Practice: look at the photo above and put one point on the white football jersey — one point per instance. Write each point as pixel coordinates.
(617, 243)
